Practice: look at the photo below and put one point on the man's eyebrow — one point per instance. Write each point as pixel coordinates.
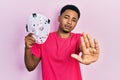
(67, 15)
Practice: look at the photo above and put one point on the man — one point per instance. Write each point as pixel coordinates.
(59, 55)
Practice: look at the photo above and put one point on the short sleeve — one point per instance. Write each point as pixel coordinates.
(78, 43)
(36, 50)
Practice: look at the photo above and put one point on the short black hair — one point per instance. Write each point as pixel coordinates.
(70, 7)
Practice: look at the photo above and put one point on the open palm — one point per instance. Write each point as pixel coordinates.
(89, 48)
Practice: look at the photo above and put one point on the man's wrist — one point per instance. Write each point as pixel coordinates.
(27, 48)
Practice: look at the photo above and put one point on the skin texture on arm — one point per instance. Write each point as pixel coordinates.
(89, 48)
(31, 61)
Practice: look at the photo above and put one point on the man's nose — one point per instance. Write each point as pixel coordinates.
(69, 21)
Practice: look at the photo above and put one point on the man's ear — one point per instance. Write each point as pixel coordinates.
(58, 18)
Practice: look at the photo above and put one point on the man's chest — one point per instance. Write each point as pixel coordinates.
(59, 49)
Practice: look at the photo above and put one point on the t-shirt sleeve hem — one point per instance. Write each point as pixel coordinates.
(35, 50)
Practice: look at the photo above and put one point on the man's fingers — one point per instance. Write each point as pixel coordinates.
(86, 41)
(30, 34)
(77, 57)
(96, 44)
(29, 40)
(29, 37)
(90, 40)
(80, 59)
(28, 46)
(82, 46)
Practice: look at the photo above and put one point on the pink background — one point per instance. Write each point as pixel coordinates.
(100, 18)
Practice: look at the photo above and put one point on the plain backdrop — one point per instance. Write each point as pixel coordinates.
(100, 18)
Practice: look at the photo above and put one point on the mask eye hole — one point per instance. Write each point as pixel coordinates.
(34, 15)
(33, 24)
(48, 20)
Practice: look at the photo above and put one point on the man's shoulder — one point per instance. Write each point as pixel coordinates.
(76, 34)
(52, 33)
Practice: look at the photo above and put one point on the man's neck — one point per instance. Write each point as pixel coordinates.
(63, 34)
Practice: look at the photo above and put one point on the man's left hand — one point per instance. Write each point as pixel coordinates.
(89, 48)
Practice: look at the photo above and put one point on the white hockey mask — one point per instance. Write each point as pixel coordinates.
(39, 25)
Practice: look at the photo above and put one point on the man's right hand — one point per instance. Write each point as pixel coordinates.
(31, 61)
(29, 41)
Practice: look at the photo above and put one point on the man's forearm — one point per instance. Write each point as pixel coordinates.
(29, 61)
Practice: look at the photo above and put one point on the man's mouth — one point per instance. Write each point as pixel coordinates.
(67, 27)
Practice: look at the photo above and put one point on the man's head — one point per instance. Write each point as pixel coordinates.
(70, 7)
(68, 18)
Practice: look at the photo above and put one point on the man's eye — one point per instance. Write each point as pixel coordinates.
(74, 20)
(66, 17)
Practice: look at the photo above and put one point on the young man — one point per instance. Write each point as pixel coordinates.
(59, 55)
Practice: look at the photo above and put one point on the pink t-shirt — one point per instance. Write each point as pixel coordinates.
(55, 54)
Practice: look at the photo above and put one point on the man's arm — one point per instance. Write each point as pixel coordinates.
(31, 61)
(89, 48)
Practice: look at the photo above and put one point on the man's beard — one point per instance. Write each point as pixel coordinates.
(66, 31)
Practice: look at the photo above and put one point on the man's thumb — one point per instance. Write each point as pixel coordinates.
(77, 57)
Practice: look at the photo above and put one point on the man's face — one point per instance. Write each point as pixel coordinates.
(68, 21)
